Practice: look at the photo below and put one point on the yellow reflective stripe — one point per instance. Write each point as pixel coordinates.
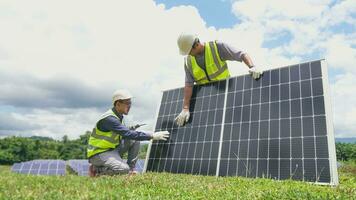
(216, 69)
(203, 79)
(220, 71)
(96, 146)
(112, 139)
(198, 73)
(214, 53)
(92, 150)
(216, 74)
(190, 69)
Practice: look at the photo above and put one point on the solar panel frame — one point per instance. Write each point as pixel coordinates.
(303, 105)
(334, 179)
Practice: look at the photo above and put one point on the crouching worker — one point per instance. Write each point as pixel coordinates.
(110, 139)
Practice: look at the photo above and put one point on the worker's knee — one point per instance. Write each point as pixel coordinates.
(118, 167)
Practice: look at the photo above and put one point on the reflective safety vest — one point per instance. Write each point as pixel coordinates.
(215, 70)
(100, 141)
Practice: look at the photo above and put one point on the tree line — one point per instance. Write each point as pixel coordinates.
(346, 151)
(19, 149)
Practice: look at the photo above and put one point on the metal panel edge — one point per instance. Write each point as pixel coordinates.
(150, 143)
(222, 128)
(334, 180)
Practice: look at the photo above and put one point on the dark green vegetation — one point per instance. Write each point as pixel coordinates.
(19, 149)
(346, 151)
(151, 185)
(170, 186)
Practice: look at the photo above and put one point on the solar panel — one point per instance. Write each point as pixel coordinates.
(193, 148)
(40, 167)
(278, 127)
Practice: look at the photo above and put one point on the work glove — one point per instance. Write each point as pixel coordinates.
(183, 117)
(255, 73)
(160, 135)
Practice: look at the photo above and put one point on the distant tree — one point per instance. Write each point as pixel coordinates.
(65, 139)
(20, 149)
(41, 138)
(346, 151)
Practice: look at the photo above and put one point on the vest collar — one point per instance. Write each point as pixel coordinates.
(202, 53)
(120, 116)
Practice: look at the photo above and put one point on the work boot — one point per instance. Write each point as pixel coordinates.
(92, 171)
(133, 171)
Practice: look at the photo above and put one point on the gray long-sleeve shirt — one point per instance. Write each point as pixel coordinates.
(226, 52)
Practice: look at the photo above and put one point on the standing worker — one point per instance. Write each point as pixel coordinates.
(206, 62)
(110, 139)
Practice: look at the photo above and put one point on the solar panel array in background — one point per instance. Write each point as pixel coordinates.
(58, 167)
(81, 167)
(275, 127)
(40, 167)
(193, 148)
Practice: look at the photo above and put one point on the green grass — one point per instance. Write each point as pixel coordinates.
(169, 186)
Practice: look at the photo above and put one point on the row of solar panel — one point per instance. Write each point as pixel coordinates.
(292, 76)
(43, 167)
(58, 167)
(284, 96)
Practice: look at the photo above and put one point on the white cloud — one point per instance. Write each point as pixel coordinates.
(314, 28)
(66, 122)
(115, 44)
(340, 53)
(132, 44)
(344, 98)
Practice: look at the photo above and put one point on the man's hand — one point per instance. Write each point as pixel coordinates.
(255, 73)
(183, 117)
(160, 135)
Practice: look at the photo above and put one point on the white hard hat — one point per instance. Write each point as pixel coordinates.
(121, 94)
(185, 42)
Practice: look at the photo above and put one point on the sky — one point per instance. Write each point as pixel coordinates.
(60, 61)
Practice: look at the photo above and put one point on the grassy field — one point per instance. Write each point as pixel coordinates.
(169, 186)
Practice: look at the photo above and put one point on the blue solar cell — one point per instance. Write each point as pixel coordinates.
(41, 167)
(16, 167)
(81, 167)
(139, 165)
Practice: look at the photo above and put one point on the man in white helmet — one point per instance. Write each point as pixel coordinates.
(206, 62)
(110, 139)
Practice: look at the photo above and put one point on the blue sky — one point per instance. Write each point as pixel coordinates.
(59, 69)
(217, 13)
(220, 15)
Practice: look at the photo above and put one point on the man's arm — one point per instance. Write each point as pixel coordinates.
(110, 123)
(188, 91)
(184, 115)
(247, 60)
(227, 52)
